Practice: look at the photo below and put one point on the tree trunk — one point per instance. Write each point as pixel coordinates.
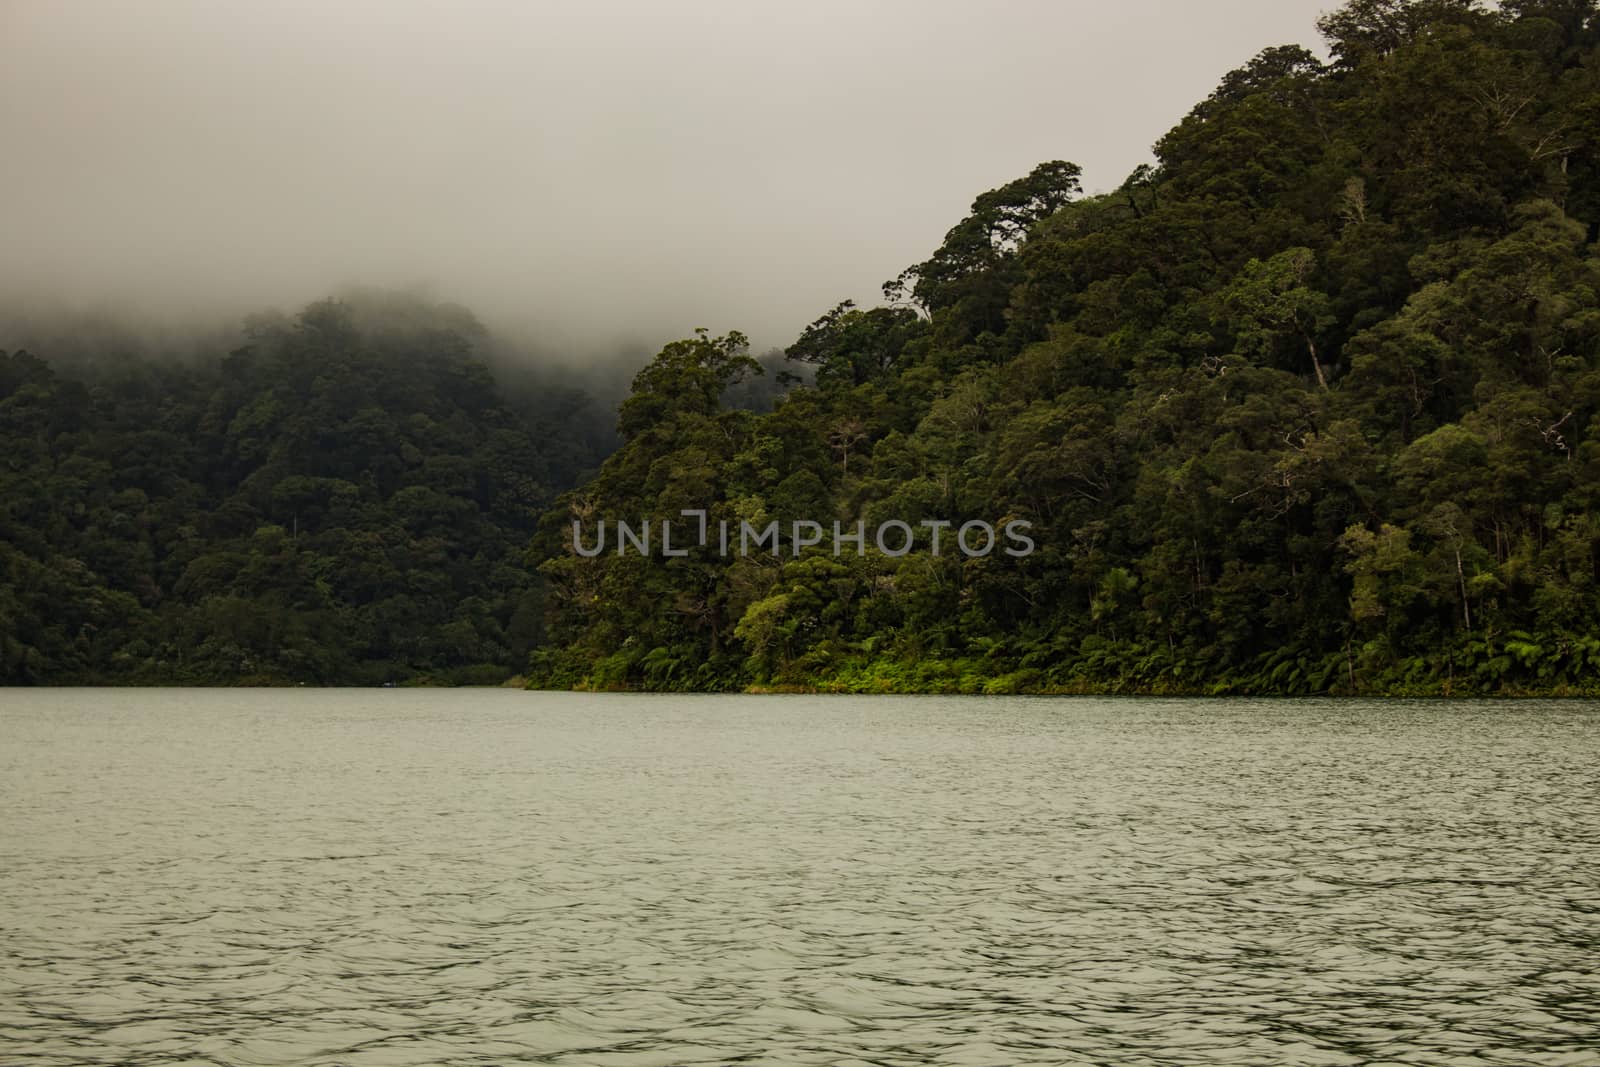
(1316, 364)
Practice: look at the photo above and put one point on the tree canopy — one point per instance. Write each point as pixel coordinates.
(1309, 404)
(339, 501)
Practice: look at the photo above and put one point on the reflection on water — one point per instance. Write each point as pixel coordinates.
(405, 877)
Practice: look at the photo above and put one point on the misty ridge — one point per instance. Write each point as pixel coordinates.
(96, 343)
(1306, 400)
(590, 184)
(102, 346)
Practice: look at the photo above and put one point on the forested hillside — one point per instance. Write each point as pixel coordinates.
(344, 499)
(1308, 406)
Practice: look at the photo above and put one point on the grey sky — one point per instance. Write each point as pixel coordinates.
(601, 170)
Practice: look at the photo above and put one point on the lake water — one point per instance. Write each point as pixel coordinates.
(490, 876)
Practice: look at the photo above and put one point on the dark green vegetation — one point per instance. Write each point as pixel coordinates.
(340, 501)
(1312, 405)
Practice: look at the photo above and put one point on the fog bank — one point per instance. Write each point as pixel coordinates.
(603, 176)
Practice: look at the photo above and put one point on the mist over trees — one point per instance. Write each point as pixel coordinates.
(1309, 405)
(344, 498)
(339, 496)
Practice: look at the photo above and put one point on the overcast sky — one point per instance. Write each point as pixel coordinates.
(601, 169)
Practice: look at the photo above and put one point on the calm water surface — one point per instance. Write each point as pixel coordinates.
(436, 877)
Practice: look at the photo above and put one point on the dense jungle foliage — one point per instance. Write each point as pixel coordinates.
(1311, 405)
(345, 499)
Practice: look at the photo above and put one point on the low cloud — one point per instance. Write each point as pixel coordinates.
(600, 176)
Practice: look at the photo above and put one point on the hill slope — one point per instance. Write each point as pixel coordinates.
(1310, 406)
(339, 501)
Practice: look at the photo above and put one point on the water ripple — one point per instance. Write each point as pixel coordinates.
(488, 877)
